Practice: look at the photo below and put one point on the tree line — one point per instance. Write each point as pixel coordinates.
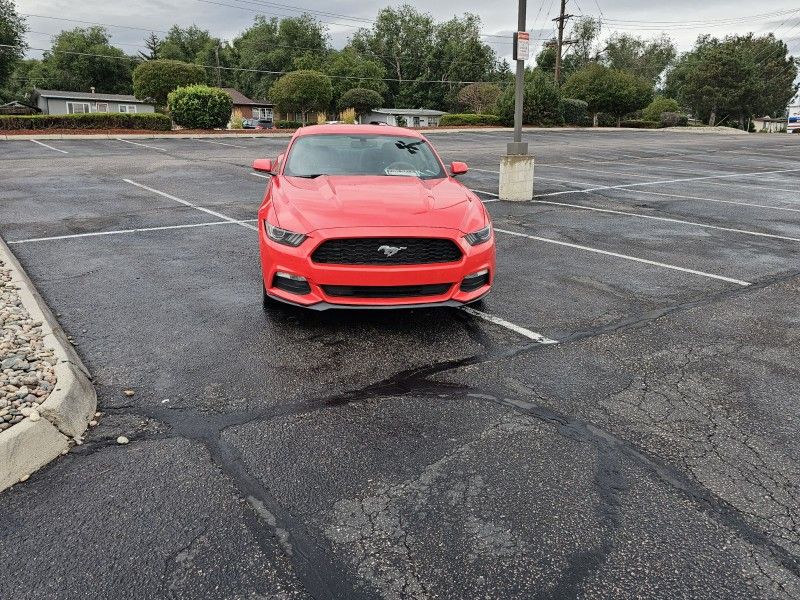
(408, 60)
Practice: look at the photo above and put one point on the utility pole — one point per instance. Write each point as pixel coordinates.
(219, 71)
(561, 19)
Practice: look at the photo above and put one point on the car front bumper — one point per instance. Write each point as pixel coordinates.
(277, 258)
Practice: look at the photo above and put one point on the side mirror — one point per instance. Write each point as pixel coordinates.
(263, 164)
(458, 168)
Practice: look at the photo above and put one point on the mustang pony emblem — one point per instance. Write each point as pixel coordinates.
(391, 250)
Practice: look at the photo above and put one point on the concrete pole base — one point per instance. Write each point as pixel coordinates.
(516, 177)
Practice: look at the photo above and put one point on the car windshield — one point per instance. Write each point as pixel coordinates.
(341, 154)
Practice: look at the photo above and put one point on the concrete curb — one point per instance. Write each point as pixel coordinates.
(66, 412)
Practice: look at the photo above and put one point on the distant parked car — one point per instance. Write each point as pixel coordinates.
(263, 124)
(249, 124)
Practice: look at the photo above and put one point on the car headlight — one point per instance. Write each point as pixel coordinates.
(283, 236)
(479, 237)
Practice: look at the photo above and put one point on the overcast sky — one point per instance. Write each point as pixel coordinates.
(646, 19)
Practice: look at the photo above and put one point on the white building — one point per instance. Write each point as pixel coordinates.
(769, 124)
(57, 102)
(408, 117)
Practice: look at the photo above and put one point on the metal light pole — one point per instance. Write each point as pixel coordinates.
(518, 146)
(516, 167)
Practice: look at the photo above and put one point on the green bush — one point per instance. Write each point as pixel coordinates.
(469, 119)
(200, 107)
(673, 119)
(575, 112)
(640, 124)
(541, 103)
(606, 120)
(289, 125)
(149, 121)
(660, 104)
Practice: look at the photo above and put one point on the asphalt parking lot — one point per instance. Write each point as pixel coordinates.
(651, 451)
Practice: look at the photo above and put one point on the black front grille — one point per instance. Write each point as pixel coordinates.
(386, 291)
(381, 251)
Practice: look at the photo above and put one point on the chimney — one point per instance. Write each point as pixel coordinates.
(92, 88)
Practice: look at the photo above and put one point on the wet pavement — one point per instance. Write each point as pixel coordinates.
(650, 452)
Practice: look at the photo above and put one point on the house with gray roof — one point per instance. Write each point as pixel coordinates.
(411, 117)
(56, 102)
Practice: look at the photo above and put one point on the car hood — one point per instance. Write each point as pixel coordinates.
(328, 202)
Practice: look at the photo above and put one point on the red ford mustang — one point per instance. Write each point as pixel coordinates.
(360, 216)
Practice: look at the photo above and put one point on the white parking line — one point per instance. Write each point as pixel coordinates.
(218, 143)
(121, 231)
(260, 175)
(190, 205)
(50, 147)
(625, 257)
(670, 220)
(665, 181)
(142, 145)
(531, 335)
(718, 200)
(761, 186)
(494, 198)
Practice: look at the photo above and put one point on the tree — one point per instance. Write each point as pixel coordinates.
(200, 107)
(458, 55)
(360, 99)
(479, 97)
(402, 39)
(12, 33)
(541, 104)
(347, 69)
(157, 78)
(26, 75)
(735, 78)
(83, 58)
(195, 45)
(608, 91)
(303, 92)
(659, 105)
(647, 59)
(153, 45)
(274, 45)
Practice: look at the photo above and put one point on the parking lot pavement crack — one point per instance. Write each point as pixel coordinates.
(690, 487)
(177, 565)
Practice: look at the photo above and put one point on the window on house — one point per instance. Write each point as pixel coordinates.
(76, 108)
(127, 108)
(416, 121)
(262, 113)
(101, 107)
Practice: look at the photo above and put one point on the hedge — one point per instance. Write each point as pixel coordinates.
(640, 124)
(576, 112)
(150, 121)
(674, 119)
(469, 119)
(200, 107)
(289, 125)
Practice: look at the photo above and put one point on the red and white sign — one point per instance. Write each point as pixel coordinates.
(522, 43)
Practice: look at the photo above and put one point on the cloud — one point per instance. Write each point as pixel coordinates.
(229, 21)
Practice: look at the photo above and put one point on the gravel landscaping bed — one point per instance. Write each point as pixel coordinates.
(27, 373)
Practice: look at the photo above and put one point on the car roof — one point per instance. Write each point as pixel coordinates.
(344, 129)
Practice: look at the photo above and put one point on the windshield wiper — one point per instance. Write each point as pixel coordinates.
(312, 176)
